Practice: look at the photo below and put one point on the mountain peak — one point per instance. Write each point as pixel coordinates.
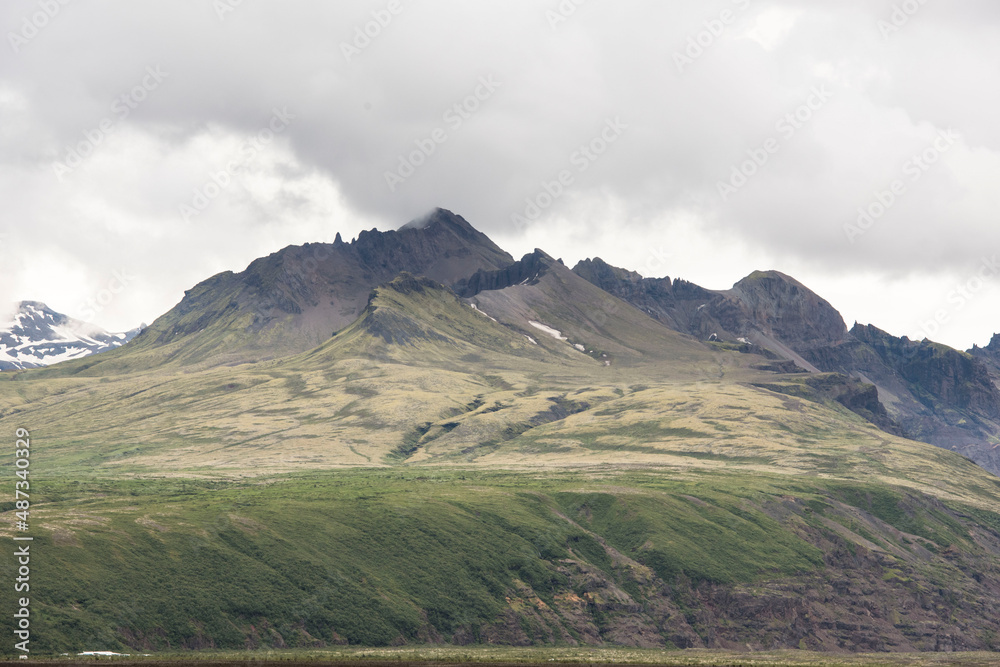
(39, 336)
(789, 309)
(293, 299)
(440, 216)
(39, 310)
(769, 278)
(599, 272)
(21, 305)
(526, 270)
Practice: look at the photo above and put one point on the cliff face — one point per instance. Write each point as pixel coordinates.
(782, 306)
(990, 355)
(939, 375)
(525, 271)
(937, 394)
(678, 304)
(927, 391)
(765, 302)
(292, 300)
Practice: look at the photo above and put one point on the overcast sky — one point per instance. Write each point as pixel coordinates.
(146, 145)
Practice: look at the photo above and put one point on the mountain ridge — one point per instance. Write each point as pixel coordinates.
(930, 391)
(295, 298)
(38, 336)
(510, 454)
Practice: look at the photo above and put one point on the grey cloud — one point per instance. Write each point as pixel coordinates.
(559, 85)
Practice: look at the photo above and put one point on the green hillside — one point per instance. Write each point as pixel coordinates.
(550, 467)
(634, 558)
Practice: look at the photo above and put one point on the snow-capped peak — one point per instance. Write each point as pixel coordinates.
(38, 336)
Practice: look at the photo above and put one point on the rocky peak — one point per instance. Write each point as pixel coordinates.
(295, 298)
(992, 350)
(407, 283)
(600, 273)
(39, 336)
(527, 270)
(941, 376)
(779, 304)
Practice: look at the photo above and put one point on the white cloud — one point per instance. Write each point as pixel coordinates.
(325, 174)
(772, 27)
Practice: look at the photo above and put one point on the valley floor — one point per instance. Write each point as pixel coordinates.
(433, 656)
(561, 564)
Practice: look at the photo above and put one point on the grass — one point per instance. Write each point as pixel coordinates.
(385, 488)
(381, 556)
(356, 400)
(507, 655)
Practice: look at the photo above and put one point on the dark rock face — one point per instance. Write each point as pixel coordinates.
(297, 297)
(922, 390)
(784, 307)
(677, 304)
(937, 394)
(940, 375)
(525, 271)
(990, 355)
(768, 303)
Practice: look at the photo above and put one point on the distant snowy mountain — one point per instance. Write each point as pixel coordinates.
(38, 336)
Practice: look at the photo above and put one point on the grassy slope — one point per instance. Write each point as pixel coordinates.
(661, 501)
(379, 557)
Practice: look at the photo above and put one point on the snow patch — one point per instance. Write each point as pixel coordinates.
(528, 280)
(579, 347)
(38, 336)
(530, 339)
(555, 333)
(476, 308)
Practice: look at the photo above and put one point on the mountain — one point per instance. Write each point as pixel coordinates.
(499, 452)
(38, 336)
(989, 354)
(768, 309)
(541, 298)
(929, 391)
(296, 298)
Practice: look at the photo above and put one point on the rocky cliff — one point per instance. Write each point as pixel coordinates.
(929, 391)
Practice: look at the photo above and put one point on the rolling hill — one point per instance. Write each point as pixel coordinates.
(420, 440)
(930, 391)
